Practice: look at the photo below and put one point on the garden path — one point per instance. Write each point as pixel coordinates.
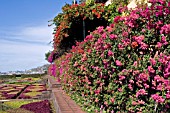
(63, 102)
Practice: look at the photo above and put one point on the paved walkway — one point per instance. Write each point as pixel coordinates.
(63, 102)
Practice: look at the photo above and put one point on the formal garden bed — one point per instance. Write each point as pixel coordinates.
(22, 88)
(26, 81)
(33, 91)
(27, 106)
(28, 95)
(11, 91)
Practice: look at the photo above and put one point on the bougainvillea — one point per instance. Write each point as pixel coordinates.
(52, 70)
(124, 67)
(76, 20)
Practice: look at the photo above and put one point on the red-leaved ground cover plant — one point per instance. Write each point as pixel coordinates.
(124, 67)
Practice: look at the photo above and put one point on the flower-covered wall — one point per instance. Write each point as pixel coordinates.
(123, 67)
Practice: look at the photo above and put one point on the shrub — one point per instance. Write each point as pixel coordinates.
(124, 67)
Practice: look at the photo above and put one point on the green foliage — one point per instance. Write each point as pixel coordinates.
(47, 55)
(88, 2)
(3, 111)
(117, 7)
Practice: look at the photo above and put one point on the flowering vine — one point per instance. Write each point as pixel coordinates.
(124, 67)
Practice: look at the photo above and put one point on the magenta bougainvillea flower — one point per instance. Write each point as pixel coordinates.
(124, 67)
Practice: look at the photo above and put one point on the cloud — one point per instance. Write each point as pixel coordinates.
(38, 33)
(24, 48)
(32, 34)
(22, 56)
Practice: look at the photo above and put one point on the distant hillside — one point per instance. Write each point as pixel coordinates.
(40, 68)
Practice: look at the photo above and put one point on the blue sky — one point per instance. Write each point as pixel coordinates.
(24, 32)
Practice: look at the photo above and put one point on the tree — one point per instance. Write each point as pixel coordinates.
(47, 55)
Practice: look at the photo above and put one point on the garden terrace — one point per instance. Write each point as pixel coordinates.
(25, 87)
(24, 91)
(11, 91)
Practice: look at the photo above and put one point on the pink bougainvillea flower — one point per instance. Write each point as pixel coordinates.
(157, 98)
(134, 103)
(110, 53)
(143, 77)
(107, 46)
(105, 103)
(100, 29)
(120, 9)
(153, 62)
(112, 100)
(120, 89)
(61, 71)
(109, 29)
(75, 64)
(150, 69)
(166, 82)
(131, 81)
(130, 87)
(141, 102)
(53, 69)
(139, 39)
(146, 86)
(97, 92)
(104, 35)
(143, 30)
(159, 87)
(51, 57)
(121, 77)
(143, 46)
(125, 34)
(105, 61)
(96, 100)
(135, 72)
(159, 44)
(165, 29)
(135, 63)
(113, 36)
(141, 92)
(116, 19)
(126, 41)
(163, 40)
(88, 37)
(58, 80)
(118, 63)
(168, 96)
(120, 46)
(84, 58)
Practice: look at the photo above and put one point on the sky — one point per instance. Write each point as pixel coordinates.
(24, 33)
